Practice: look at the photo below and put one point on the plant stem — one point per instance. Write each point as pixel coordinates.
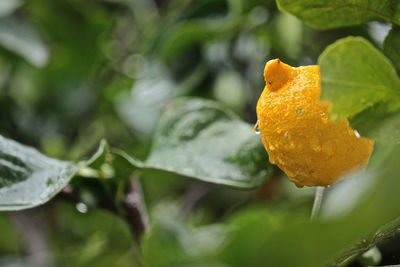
(133, 207)
(319, 194)
(193, 196)
(135, 210)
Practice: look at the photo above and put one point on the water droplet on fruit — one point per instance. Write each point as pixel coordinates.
(256, 128)
(315, 144)
(324, 118)
(271, 147)
(357, 134)
(317, 148)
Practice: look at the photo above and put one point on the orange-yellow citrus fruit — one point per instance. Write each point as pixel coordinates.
(296, 130)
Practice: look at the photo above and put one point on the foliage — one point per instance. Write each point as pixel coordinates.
(168, 89)
(366, 77)
(342, 13)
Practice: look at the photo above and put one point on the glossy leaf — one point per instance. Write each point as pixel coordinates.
(200, 139)
(29, 178)
(378, 123)
(7, 7)
(22, 39)
(142, 107)
(172, 243)
(332, 14)
(391, 47)
(355, 76)
(185, 35)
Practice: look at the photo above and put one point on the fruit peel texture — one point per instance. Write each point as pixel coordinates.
(296, 130)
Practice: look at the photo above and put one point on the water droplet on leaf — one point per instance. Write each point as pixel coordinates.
(82, 207)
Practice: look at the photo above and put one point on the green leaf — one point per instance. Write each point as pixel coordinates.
(142, 107)
(248, 231)
(170, 242)
(354, 76)
(391, 46)
(185, 35)
(28, 178)
(7, 7)
(22, 39)
(255, 237)
(378, 124)
(332, 14)
(201, 139)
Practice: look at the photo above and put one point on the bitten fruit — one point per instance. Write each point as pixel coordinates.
(296, 130)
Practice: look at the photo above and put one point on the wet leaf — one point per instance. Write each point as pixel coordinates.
(172, 243)
(142, 107)
(7, 7)
(29, 178)
(332, 14)
(391, 46)
(22, 39)
(355, 76)
(200, 139)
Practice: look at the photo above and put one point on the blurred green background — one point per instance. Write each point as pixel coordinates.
(75, 71)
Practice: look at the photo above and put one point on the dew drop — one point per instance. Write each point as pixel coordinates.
(315, 144)
(280, 161)
(357, 134)
(288, 137)
(271, 147)
(317, 148)
(257, 128)
(81, 207)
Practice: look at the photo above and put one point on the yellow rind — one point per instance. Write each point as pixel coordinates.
(296, 130)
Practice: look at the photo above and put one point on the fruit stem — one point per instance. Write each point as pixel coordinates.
(319, 194)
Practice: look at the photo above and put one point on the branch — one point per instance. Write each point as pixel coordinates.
(135, 210)
(29, 224)
(386, 232)
(193, 195)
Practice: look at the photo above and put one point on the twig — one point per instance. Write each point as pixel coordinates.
(386, 232)
(33, 235)
(319, 194)
(135, 210)
(193, 195)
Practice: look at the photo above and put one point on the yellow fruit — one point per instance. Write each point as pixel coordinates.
(296, 130)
